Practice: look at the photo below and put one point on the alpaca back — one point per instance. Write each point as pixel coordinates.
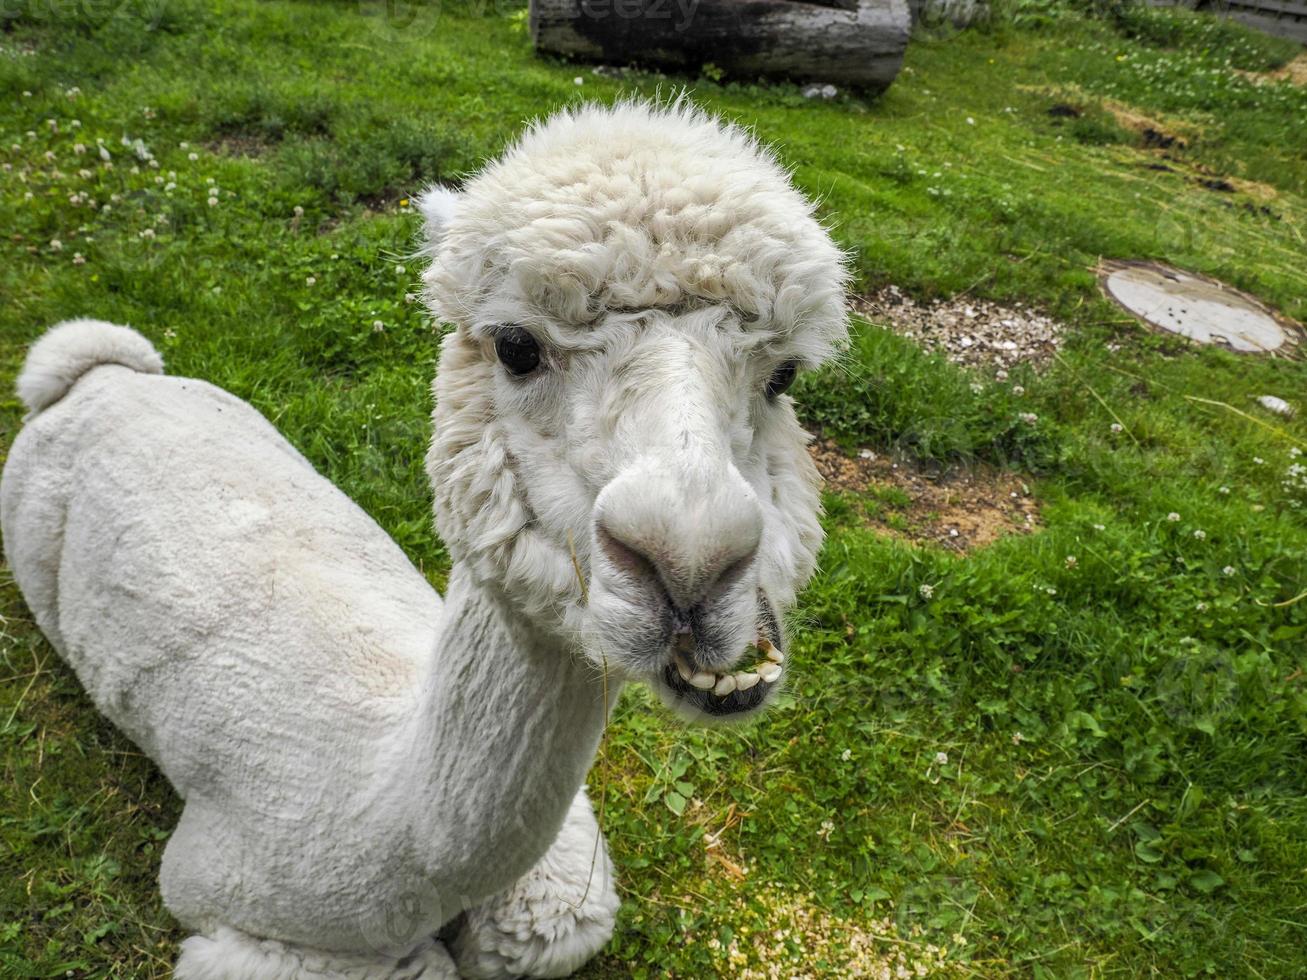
(232, 612)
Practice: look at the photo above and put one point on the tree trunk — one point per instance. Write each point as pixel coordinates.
(854, 43)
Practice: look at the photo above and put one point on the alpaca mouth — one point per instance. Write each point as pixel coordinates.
(724, 694)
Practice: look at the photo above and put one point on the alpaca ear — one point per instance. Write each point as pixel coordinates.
(438, 205)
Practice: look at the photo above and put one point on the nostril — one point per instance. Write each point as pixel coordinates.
(730, 576)
(649, 568)
(625, 558)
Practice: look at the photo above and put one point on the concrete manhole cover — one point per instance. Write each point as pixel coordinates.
(1197, 308)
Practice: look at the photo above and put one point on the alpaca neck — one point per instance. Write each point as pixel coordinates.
(506, 726)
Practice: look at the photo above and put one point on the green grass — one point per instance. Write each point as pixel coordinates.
(1124, 791)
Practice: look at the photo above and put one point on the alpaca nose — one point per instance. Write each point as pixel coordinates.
(690, 539)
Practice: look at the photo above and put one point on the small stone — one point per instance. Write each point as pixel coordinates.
(1277, 405)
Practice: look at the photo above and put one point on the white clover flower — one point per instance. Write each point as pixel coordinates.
(1222, 489)
(310, 280)
(926, 590)
(846, 755)
(192, 157)
(210, 181)
(213, 202)
(79, 148)
(410, 297)
(104, 155)
(1017, 738)
(297, 211)
(75, 124)
(1295, 452)
(1201, 607)
(170, 186)
(79, 258)
(1173, 517)
(941, 758)
(378, 326)
(400, 270)
(147, 233)
(1070, 561)
(56, 245)
(1117, 427)
(970, 121)
(1258, 460)
(183, 145)
(578, 80)
(1228, 570)
(1200, 534)
(1030, 418)
(1100, 527)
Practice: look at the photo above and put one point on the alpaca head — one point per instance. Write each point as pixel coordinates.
(633, 289)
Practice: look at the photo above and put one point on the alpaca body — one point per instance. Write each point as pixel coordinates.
(621, 482)
(358, 764)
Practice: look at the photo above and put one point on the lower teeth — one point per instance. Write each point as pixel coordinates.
(722, 685)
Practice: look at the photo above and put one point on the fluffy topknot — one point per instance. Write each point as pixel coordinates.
(629, 207)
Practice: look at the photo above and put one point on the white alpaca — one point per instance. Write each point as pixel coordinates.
(363, 764)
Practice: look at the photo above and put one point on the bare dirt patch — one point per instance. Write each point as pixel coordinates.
(960, 510)
(968, 331)
(238, 145)
(1154, 132)
(1295, 72)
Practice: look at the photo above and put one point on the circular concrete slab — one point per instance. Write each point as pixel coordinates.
(1197, 308)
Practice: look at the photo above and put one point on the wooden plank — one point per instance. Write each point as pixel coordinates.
(1294, 30)
(1268, 8)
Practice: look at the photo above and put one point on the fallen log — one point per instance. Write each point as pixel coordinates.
(852, 43)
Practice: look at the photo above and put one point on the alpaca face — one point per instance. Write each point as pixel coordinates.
(614, 449)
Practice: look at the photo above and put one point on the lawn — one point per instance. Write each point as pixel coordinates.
(1076, 752)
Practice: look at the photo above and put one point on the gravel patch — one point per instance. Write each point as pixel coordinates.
(978, 333)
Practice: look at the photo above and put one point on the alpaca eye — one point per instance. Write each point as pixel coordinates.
(518, 351)
(781, 379)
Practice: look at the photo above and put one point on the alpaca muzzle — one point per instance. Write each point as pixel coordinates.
(724, 694)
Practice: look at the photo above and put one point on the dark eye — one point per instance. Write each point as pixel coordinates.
(781, 379)
(518, 351)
